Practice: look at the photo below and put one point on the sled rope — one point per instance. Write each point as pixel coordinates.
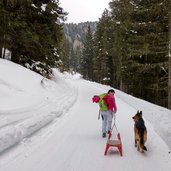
(114, 124)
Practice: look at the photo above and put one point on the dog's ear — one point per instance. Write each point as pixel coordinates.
(141, 113)
(137, 111)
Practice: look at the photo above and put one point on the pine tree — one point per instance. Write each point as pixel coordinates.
(34, 32)
(103, 57)
(65, 53)
(169, 75)
(148, 47)
(87, 56)
(120, 17)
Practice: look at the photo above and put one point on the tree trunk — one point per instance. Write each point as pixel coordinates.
(169, 82)
(0, 52)
(3, 53)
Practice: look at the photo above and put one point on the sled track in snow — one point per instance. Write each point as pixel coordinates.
(13, 132)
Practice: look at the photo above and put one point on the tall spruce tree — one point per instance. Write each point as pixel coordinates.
(87, 56)
(65, 53)
(169, 75)
(120, 17)
(148, 48)
(103, 63)
(34, 32)
(142, 40)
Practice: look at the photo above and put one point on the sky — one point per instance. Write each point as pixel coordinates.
(84, 10)
(52, 125)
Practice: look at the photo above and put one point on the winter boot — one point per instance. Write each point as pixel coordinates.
(104, 135)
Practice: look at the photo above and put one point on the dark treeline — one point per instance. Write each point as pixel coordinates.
(130, 49)
(32, 31)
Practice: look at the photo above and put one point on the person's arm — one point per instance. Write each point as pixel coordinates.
(111, 103)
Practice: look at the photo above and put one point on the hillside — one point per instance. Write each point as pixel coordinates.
(75, 36)
(73, 31)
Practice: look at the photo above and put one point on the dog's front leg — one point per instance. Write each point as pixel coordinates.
(138, 148)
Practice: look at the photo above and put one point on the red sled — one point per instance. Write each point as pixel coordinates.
(114, 143)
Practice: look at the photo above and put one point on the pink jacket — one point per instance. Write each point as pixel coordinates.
(110, 101)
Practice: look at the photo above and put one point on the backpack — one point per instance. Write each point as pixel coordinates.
(102, 103)
(99, 99)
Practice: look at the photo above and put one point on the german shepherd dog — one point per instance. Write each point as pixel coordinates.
(140, 132)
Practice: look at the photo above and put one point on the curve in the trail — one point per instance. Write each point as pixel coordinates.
(22, 122)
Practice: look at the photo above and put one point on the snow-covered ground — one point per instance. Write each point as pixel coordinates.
(52, 125)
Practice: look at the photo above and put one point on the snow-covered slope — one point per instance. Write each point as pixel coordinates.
(28, 102)
(70, 135)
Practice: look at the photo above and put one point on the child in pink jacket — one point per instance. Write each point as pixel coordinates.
(108, 115)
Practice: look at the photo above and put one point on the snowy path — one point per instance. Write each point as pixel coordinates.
(73, 142)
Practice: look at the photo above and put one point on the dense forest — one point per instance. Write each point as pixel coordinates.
(32, 31)
(131, 49)
(128, 48)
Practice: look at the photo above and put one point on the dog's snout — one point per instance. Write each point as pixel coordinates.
(133, 117)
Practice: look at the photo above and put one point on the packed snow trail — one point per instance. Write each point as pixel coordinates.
(73, 142)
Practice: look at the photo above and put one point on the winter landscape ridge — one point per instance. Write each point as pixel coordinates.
(50, 125)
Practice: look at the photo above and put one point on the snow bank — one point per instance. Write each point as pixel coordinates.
(11, 135)
(28, 101)
(18, 86)
(158, 116)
